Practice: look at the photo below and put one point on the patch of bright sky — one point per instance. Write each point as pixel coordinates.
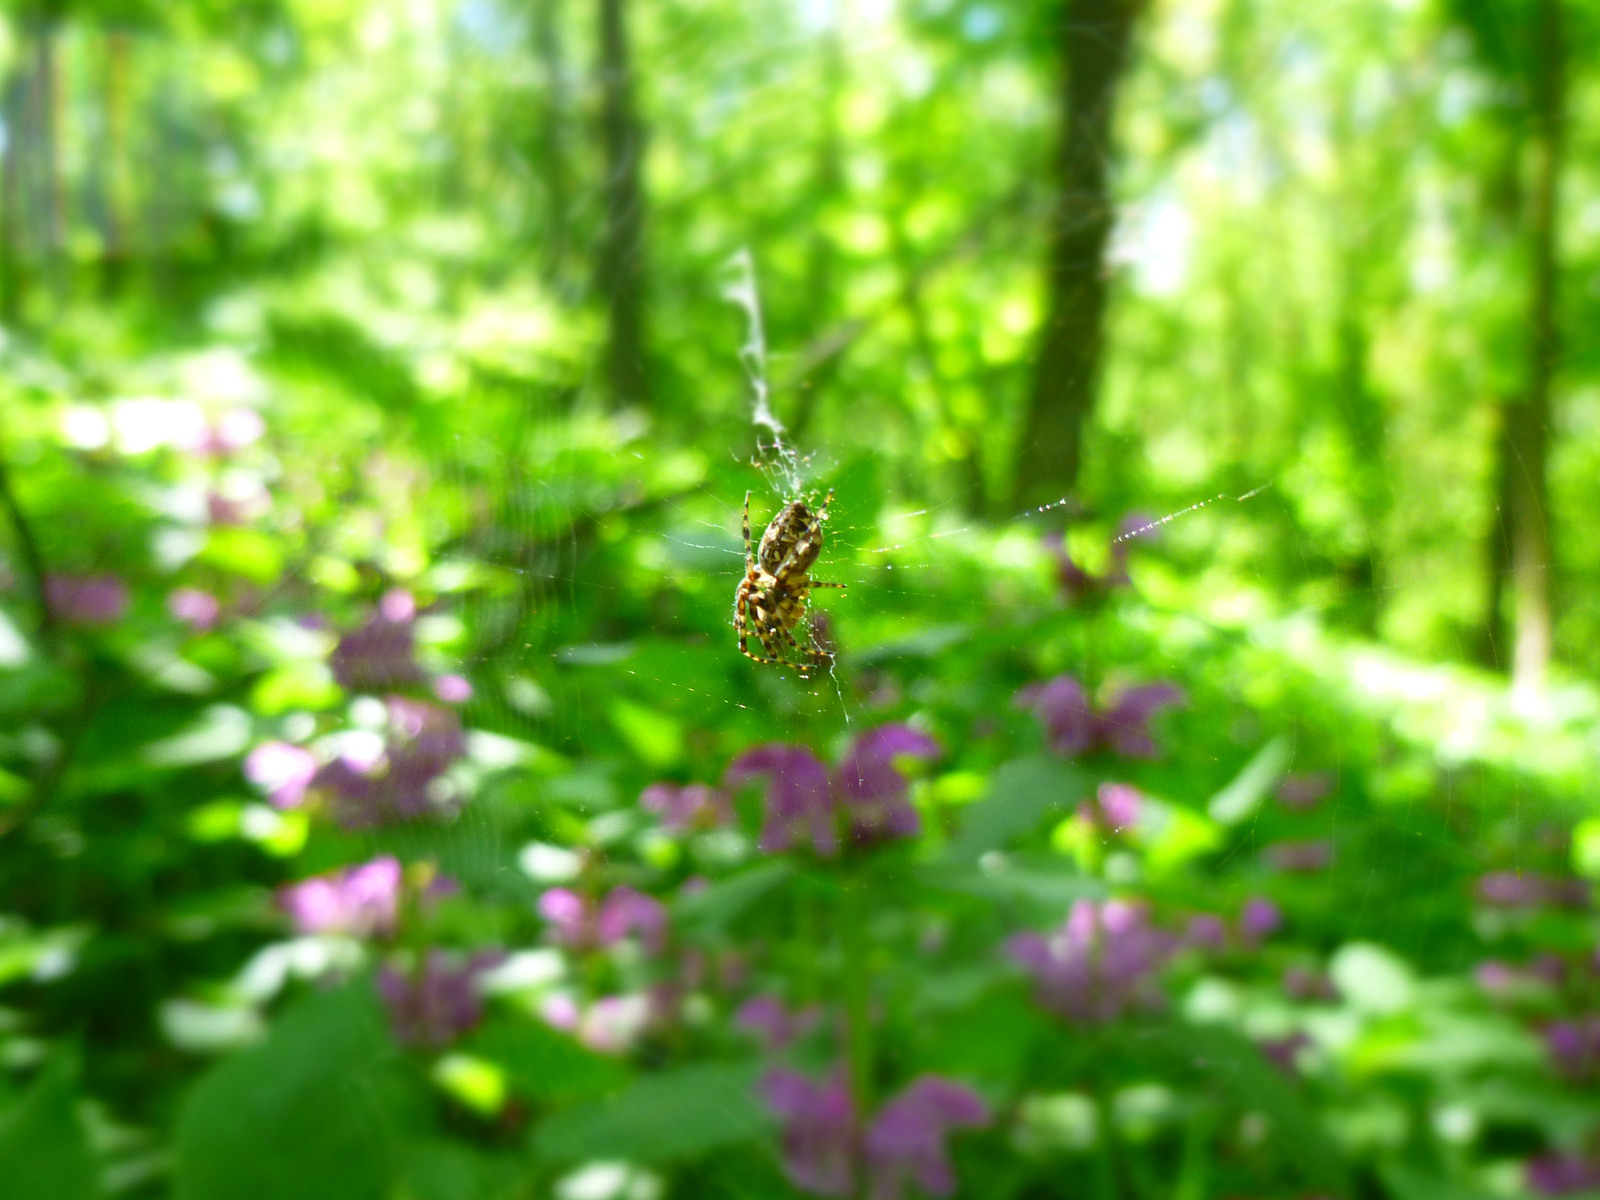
(1153, 238)
(491, 25)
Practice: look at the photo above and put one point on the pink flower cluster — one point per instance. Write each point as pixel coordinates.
(866, 792)
(579, 924)
(1100, 964)
(1074, 726)
(826, 1148)
(362, 900)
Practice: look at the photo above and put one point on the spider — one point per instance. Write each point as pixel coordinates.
(772, 595)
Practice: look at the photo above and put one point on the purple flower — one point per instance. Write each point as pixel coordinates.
(772, 1023)
(578, 925)
(1561, 1174)
(1125, 726)
(804, 800)
(1259, 918)
(1301, 792)
(196, 609)
(691, 806)
(284, 771)
(1063, 706)
(1300, 857)
(1574, 1046)
(568, 916)
(404, 782)
(906, 1140)
(1283, 1052)
(799, 801)
(362, 900)
(437, 1003)
(1073, 727)
(870, 787)
(1206, 930)
(1099, 964)
(1305, 984)
(625, 911)
(1119, 805)
(1078, 584)
(819, 1130)
(382, 653)
(452, 689)
(1530, 889)
(398, 606)
(86, 600)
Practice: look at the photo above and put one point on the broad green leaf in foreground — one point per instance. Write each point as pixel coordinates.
(44, 1149)
(318, 1112)
(544, 1064)
(660, 1118)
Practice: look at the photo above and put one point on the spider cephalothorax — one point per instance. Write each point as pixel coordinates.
(772, 596)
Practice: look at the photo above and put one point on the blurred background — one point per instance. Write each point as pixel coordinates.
(1192, 793)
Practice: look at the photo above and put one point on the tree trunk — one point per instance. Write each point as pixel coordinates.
(1493, 635)
(114, 255)
(13, 185)
(1096, 39)
(553, 142)
(1529, 425)
(622, 275)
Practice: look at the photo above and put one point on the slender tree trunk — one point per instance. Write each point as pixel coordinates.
(553, 139)
(1361, 414)
(13, 185)
(113, 263)
(1096, 41)
(52, 207)
(622, 267)
(1529, 426)
(1494, 641)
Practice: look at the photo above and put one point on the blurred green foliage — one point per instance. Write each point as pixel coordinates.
(326, 550)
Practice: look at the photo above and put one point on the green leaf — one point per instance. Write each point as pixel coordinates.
(716, 907)
(44, 1149)
(1236, 1066)
(661, 1118)
(437, 1169)
(321, 1111)
(651, 734)
(1022, 793)
(1408, 1183)
(545, 1065)
(1055, 890)
(1241, 798)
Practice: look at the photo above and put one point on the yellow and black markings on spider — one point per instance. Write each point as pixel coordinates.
(772, 596)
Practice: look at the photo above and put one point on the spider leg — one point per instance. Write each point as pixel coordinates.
(825, 583)
(749, 558)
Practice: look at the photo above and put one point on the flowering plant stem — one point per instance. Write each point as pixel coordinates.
(857, 989)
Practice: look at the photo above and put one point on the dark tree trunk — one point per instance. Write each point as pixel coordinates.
(13, 186)
(52, 209)
(622, 274)
(553, 138)
(1529, 426)
(1362, 417)
(1096, 41)
(113, 263)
